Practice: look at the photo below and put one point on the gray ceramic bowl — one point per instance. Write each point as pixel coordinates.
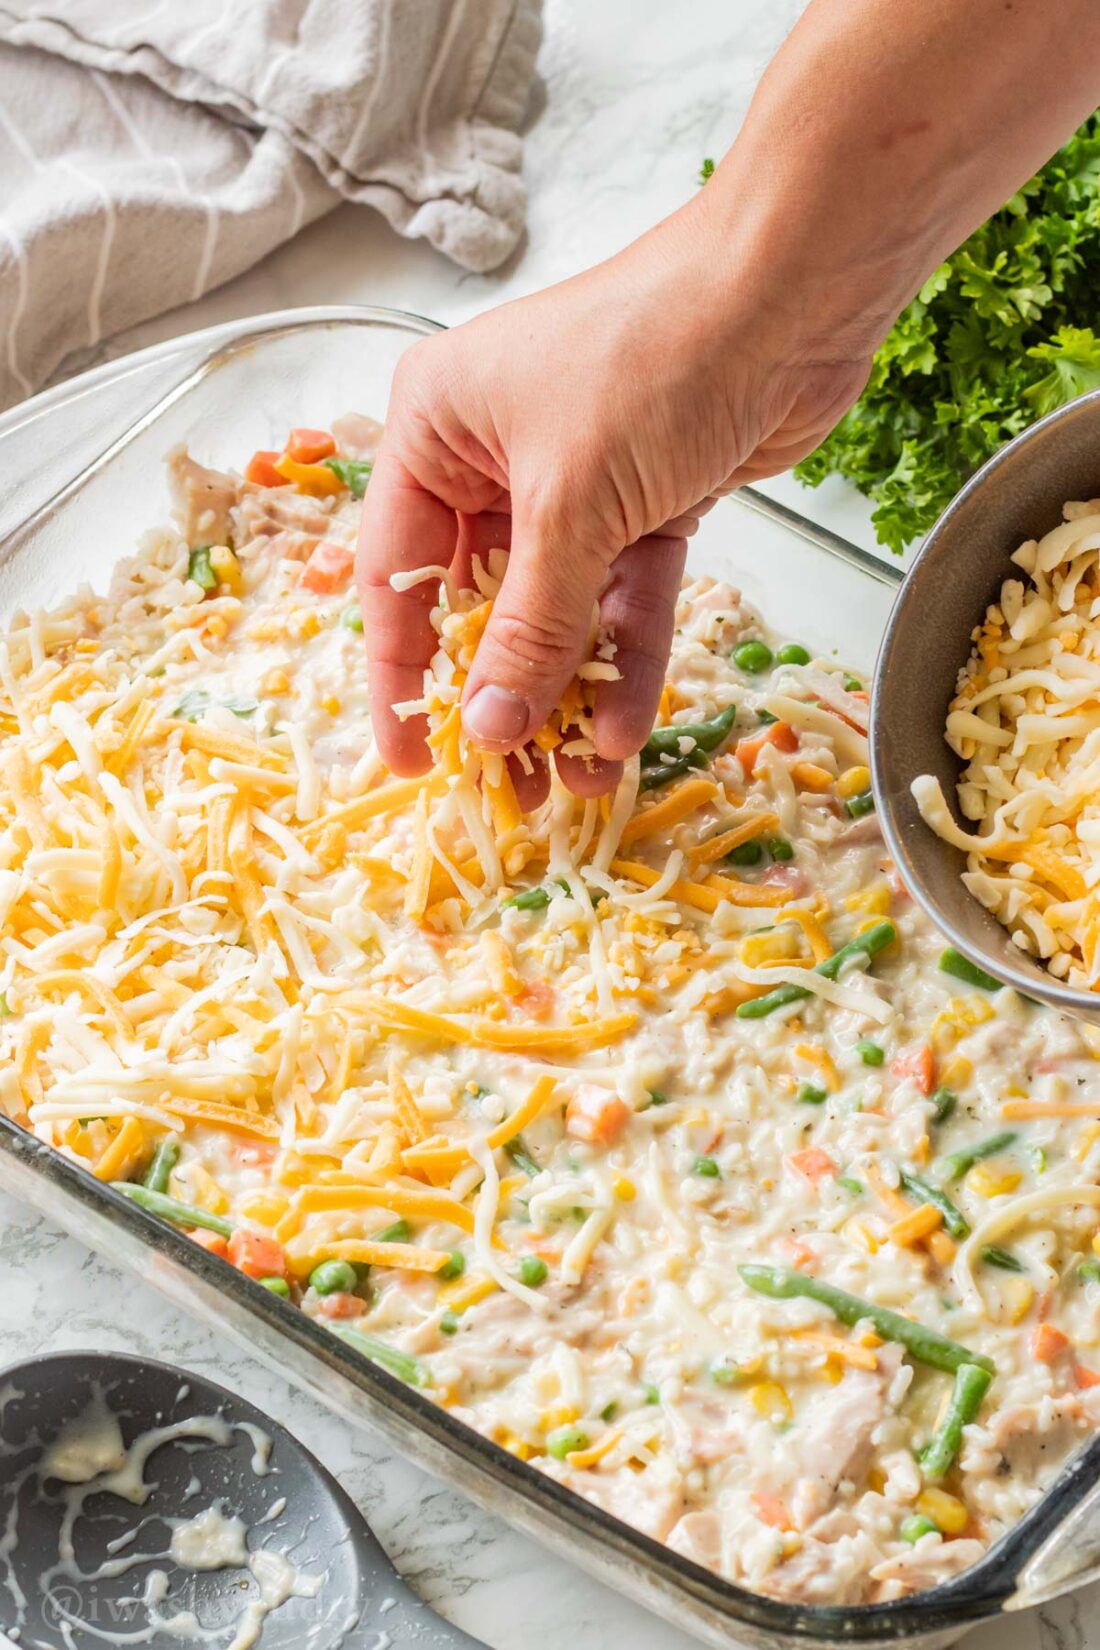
(1016, 496)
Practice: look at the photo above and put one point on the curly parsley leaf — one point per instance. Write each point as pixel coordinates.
(997, 336)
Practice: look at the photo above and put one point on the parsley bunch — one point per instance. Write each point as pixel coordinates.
(997, 336)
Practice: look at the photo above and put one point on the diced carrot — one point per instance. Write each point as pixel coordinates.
(536, 999)
(328, 568)
(812, 1164)
(256, 1255)
(771, 1509)
(918, 1062)
(340, 1305)
(256, 1154)
(1047, 1343)
(595, 1115)
(261, 470)
(779, 734)
(213, 1241)
(1085, 1377)
(798, 1253)
(309, 446)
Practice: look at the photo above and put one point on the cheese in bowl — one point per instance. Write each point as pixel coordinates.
(1025, 720)
(657, 1138)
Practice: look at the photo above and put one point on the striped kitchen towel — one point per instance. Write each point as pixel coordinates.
(151, 149)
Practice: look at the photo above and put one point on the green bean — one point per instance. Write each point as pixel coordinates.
(926, 1345)
(277, 1286)
(664, 773)
(531, 899)
(334, 1277)
(200, 569)
(397, 1233)
(994, 1255)
(850, 1184)
(1089, 1271)
(862, 803)
(657, 1097)
(916, 1525)
(944, 1102)
(852, 683)
(971, 1385)
(353, 472)
(521, 1157)
(961, 968)
(811, 1094)
(955, 1166)
(707, 736)
(165, 1158)
(171, 1209)
(866, 945)
(954, 1220)
(390, 1358)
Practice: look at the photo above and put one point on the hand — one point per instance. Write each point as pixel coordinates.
(586, 429)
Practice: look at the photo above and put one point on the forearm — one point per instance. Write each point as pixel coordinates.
(883, 132)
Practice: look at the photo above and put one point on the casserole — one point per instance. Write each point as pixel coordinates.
(304, 367)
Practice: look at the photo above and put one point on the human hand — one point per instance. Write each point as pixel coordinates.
(585, 429)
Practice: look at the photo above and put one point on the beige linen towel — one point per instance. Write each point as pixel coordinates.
(151, 149)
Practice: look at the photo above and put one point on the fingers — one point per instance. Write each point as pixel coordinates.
(588, 775)
(638, 610)
(404, 527)
(532, 788)
(536, 636)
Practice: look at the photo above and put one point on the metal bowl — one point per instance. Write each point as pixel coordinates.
(1016, 496)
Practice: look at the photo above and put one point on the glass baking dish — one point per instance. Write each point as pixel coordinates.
(83, 478)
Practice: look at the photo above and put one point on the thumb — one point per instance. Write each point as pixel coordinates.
(536, 636)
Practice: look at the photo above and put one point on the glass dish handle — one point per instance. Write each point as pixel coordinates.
(874, 567)
(1067, 1559)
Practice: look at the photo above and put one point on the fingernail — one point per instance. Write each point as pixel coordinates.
(495, 716)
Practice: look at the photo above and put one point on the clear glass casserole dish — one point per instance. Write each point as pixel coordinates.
(88, 461)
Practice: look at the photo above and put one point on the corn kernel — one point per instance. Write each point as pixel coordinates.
(1018, 1297)
(853, 780)
(876, 1481)
(1096, 1243)
(265, 630)
(809, 776)
(778, 943)
(563, 1415)
(769, 1399)
(275, 682)
(945, 1511)
(265, 1208)
(989, 1180)
(201, 1189)
(875, 899)
(957, 1073)
(217, 627)
(226, 566)
(517, 1447)
(331, 704)
(625, 1190)
(832, 1370)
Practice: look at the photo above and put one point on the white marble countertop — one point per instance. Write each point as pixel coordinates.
(635, 93)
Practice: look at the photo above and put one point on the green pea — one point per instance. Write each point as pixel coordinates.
(532, 1271)
(869, 1052)
(652, 1394)
(334, 1277)
(564, 1440)
(746, 853)
(811, 1095)
(352, 619)
(793, 654)
(609, 1411)
(780, 849)
(657, 1097)
(707, 1167)
(453, 1266)
(917, 1525)
(448, 1324)
(753, 657)
(852, 683)
(397, 1233)
(278, 1286)
(1089, 1271)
